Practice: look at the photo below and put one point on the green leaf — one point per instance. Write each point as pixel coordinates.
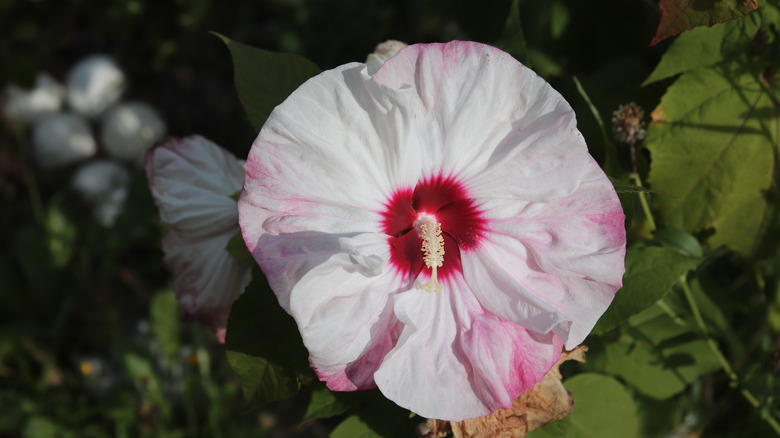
(650, 274)
(713, 142)
(141, 371)
(556, 429)
(61, 233)
(353, 427)
(164, 315)
(679, 240)
(324, 403)
(378, 417)
(238, 250)
(42, 427)
(512, 40)
(680, 15)
(707, 46)
(602, 408)
(262, 381)
(264, 79)
(264, 347)
(33, 253)
(660, 372)
(626, 187)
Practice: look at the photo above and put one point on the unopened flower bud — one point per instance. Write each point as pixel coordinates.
(103, 184)
(383, 52)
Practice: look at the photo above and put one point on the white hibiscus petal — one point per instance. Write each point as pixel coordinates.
(207, 279)
(342, 306)
(328, 157)
(554, 266)
(455, 361)
(486, 117)
(192, 180)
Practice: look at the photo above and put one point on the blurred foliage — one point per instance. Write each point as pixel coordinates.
(90, 338)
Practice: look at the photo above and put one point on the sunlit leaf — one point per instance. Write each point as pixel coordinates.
(707, 46)
(660, 372)
(713, 141)
(650, 274)
(680, 15)
(264, 79)
(602, 408)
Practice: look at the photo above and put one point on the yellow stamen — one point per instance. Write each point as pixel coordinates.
(433, 252)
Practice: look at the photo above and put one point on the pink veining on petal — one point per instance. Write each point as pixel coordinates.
(462, 223)
(499, 380)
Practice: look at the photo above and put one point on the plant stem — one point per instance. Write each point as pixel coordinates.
(721, 358)
(642, 198)
(670, 313)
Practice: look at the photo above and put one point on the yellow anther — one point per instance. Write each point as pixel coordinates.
(433, 252)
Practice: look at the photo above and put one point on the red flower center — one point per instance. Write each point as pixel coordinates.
(443, 198)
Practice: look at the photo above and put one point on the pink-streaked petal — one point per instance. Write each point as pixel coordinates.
(485, 117)
(342, 304)
(454, 360)
(328, 157)
(192, 180)
(207, 279)
(552, 266)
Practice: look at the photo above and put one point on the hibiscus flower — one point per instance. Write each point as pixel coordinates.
(437, 229)
(192, 181)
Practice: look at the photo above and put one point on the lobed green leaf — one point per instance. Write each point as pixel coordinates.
(713, 141)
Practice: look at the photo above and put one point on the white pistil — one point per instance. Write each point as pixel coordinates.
(433, 250)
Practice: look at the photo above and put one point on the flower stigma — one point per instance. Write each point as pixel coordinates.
(432, 248)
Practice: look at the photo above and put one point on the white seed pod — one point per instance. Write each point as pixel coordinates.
(108, 208)
(129, 129)
(28, 106)
(94, 84)
(61, 139)
(103, 184)
(94, 179)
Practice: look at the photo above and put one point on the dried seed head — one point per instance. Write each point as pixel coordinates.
(628, 123)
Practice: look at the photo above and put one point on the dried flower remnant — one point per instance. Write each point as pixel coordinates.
(628, 125)
(437, 229)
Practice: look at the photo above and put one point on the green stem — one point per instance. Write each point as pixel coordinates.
(669, 312)
(721, 358)
(643, 201)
